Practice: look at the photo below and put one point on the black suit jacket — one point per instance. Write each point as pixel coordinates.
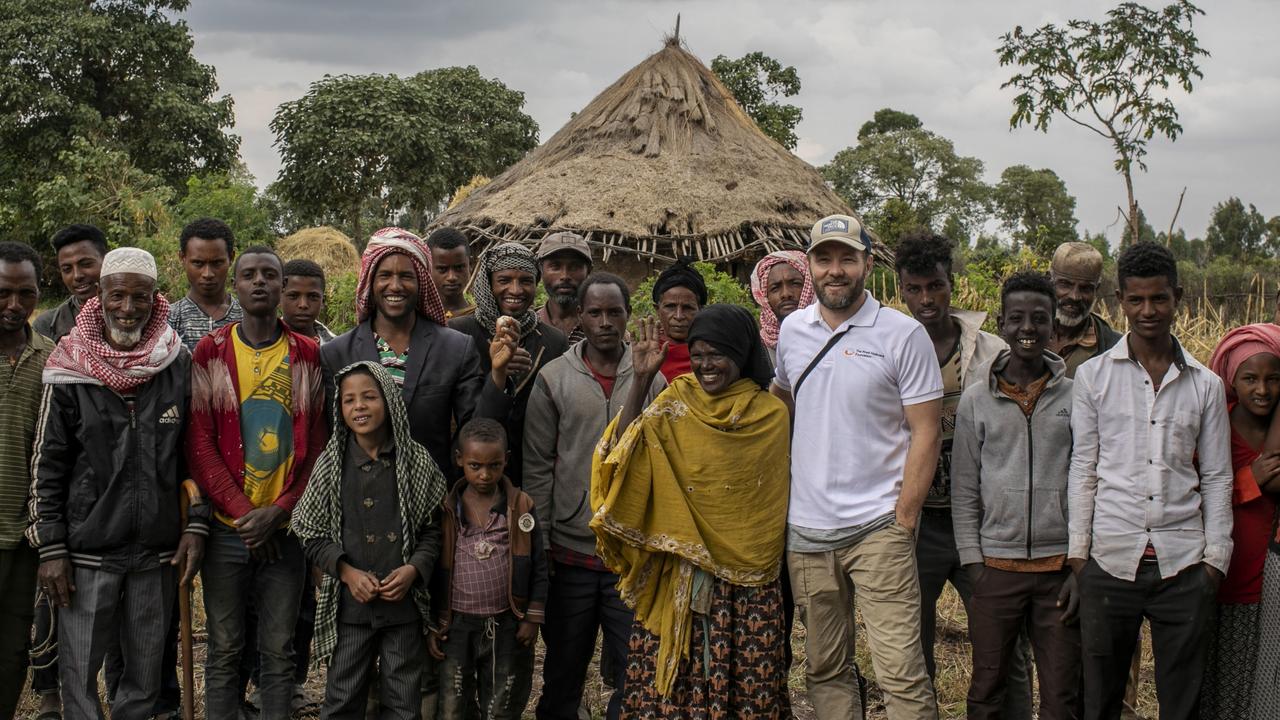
(443, 383)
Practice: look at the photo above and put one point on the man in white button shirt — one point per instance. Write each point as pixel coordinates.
(866, 392)
(1149, 496)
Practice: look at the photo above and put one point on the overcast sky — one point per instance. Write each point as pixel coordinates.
(933, 58)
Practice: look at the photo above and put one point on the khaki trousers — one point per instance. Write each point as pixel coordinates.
(881, 569)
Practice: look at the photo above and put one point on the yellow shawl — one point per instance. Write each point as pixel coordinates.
(696, 482)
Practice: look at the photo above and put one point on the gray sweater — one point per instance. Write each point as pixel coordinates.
(566, 416)
(1008, 471)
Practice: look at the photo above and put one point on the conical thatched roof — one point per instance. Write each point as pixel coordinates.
(662, 163)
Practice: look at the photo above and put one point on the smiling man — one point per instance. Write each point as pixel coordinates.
(1078, 333)
(80, 249)
(206, 247)
(258, 424)
(565, 261)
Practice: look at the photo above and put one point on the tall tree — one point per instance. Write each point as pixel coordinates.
(757, 81)
(394, 144)
(1111, 77)
(120, 74)
(1236, 231)
(1035, 208)
(887, 120)
(888, 173)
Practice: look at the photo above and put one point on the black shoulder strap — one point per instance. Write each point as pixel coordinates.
(795, 391)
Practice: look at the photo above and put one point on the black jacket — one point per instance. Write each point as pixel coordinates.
(108, 478)
(443, 382)
(544, 344)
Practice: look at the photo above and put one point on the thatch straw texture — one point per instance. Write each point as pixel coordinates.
(326, 246)
(662, 163)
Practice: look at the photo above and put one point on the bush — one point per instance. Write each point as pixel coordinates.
(721, 288)
(340, 301)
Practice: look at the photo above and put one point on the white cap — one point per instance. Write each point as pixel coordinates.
(129, 260)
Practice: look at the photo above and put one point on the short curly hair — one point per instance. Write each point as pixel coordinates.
(1146, 259)
(482, 430)
(1028, 281)
(16, 252)
(920, 252)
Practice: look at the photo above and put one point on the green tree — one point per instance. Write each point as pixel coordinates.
(386, 144)
(757, 81)
(1236, 232)
(887, 120)
(120, 73)
(1035, 208)
(233, 198)
(1112, 77)
(915, 168)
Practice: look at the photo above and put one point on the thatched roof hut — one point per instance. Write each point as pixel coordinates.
(663, 163)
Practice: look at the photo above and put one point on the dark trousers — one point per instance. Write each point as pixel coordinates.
(303, 630)
(938, 563)
(1111, 611)
(484, 661)
(580, 601)
(44, 676)
(398, 652)
(229, 573)
(17, 607)
(1003, 607)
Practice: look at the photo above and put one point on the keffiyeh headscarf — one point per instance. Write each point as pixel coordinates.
(507, 256)
(760, 290)
(420, 487)
(398, 240)
(85, 356)
(1238, 346)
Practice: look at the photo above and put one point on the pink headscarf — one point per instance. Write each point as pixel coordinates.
(760, 290)
(398, 240)
(1238, 346)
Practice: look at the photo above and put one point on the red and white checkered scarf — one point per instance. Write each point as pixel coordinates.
(85, 356)
(398, 240)
(760, 290)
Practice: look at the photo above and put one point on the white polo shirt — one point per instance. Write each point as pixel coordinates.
(849, 447)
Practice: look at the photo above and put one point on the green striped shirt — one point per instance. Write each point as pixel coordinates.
(21, 386)
(393, 362)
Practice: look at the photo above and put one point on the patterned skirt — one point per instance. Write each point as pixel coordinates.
(1266, 684)
(1233, 652)
(736, 667)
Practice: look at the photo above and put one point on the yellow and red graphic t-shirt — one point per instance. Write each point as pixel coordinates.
(266, 419)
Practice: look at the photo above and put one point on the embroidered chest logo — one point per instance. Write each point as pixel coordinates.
(1063, 412)
(862, 353)
(171, 416)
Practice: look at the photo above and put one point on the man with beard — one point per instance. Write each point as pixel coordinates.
(258, 424)
(1078, 333)
(107, 468)
(79, 251)
(573, 400)
(518, 345)
(206, 247)
(565, 261)
(26, 352)
(451, 270)
(866, 393)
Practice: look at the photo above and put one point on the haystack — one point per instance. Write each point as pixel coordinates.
(663, 163)
(326, 246)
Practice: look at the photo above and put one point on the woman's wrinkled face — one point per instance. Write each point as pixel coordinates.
(713, 369)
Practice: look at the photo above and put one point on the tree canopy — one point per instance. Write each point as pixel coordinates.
(757, 81)
(1035, 208)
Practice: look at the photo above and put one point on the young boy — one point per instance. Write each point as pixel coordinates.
(490, 586)
(1009, 468)
(302, 303)
(377, 490)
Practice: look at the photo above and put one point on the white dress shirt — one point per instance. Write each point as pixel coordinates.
(1134, 477)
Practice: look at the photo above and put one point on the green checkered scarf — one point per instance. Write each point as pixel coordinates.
(420, 484)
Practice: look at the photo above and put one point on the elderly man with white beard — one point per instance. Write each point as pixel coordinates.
(107, 470)
(1078, 332)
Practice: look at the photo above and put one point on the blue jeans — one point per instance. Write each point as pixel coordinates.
(230, 574)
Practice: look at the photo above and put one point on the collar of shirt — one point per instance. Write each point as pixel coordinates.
(1122, 351)
(865, 317)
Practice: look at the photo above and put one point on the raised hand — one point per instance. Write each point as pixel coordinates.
(648, 349)
(505, 343)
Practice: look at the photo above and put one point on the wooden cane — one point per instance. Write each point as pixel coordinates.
(190, 495)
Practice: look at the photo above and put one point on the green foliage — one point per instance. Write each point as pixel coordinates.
(340, 302)
(232, 198)
(757, 81)
(1236, 232)
(904, 176)
(1112, 77)
(163, 245)
(1035, 208)
(721, 288)
(888, 120)
(119, 73)
(385, 144)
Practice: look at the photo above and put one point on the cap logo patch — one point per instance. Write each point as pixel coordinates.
(834, 225)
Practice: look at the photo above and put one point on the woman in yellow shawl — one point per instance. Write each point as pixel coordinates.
(690, 502)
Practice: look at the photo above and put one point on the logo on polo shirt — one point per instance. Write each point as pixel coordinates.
(171, 416)
(863, 353)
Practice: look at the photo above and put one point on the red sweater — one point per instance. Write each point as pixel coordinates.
(215, 450)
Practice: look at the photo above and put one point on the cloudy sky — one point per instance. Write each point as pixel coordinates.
(933, 58)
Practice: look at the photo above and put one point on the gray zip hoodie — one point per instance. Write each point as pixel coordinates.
(1008, 471)
(566, 417)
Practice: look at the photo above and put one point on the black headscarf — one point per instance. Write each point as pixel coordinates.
(682, 274)
(731, 330)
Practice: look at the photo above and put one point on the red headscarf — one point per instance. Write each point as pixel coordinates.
(1240, 345)
(85, 356)
(760, 290)
(398, 240)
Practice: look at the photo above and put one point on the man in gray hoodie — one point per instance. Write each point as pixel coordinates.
(1009, 466)
(573, 399)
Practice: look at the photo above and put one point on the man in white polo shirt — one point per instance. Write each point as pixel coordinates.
(866, 391)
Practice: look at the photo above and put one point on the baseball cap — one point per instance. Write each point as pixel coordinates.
(556, 242)
(842, 228)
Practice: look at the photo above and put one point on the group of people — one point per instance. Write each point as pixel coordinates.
(411, 504)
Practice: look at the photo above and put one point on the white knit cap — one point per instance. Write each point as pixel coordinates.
(128, 260)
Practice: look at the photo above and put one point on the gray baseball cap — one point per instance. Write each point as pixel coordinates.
(557, 242)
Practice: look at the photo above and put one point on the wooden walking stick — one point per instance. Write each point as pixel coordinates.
(189, 496)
